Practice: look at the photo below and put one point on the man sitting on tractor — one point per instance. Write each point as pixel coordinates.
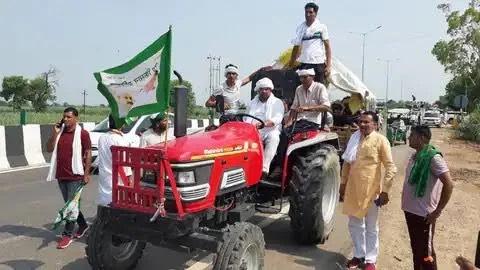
(230, 90)
(311, 99)
(270, 110)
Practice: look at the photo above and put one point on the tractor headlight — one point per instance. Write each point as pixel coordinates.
(184, 178)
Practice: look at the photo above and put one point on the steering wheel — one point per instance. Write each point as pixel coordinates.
(239, 117)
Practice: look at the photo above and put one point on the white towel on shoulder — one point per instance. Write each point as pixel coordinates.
(77, 158)
(350, 154)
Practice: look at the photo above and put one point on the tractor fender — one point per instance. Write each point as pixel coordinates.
(322, 137)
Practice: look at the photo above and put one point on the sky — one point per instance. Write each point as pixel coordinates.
(82, 37)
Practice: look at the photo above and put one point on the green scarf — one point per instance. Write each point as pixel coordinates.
(421, 169)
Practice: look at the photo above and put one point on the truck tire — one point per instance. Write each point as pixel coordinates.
(314, 194)
(242, 248)
(106, 251)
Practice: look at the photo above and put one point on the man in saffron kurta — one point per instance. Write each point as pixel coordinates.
(363, 190)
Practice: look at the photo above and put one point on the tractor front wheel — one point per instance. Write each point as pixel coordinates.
(242, 248)
(106, 251)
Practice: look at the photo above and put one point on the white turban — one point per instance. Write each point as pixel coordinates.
(306, 72)
(231, 69)
(264, 83)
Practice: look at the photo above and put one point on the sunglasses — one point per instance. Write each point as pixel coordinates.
(231, 73)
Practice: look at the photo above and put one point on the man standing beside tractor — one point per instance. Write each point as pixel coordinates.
(363, 190)
(270, 110)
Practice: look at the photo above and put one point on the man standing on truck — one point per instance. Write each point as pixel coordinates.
(363, 190)
(230, 89)
(270, 110)
(312, 46)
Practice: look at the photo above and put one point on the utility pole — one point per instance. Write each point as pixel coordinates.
(364, 37)
(219, 70)
(401, 90)
(84, 93)
(210, 75)
(212, 72)
(387, 61)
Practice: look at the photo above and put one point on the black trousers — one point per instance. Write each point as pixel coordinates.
(421, 240)
(319, 71)
(68, 189)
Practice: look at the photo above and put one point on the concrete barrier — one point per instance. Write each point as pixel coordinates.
(4, 164)
(22, 146)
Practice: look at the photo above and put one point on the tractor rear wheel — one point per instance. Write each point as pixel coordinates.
(106, 251)
(242, 248)
(314, 191)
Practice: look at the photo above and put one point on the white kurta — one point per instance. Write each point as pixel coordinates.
(271, 110)
(105, 142)
(231, 95)
(150, 137)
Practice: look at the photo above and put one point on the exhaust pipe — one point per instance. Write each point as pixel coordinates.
(180, 110)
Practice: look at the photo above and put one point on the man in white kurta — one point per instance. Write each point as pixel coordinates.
(105, 142)
(230, 89)
(270, 110)
(156, 133)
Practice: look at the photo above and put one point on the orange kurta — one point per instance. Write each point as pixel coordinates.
(363, 177)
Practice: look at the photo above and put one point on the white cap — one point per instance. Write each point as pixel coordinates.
(264, 83)
(306, 72)
(231, 69)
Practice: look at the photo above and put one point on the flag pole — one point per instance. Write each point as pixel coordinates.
(166, 131)
(168, 110)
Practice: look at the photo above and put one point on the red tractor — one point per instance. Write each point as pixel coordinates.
(200, 190)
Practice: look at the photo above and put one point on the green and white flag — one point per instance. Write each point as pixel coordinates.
(140, 86)
(70, 210)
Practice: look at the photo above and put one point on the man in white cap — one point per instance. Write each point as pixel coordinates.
(311, 99)
(230, 90)
(270, 110)
(311, 45)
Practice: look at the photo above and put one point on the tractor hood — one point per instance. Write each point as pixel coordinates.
(230, 138)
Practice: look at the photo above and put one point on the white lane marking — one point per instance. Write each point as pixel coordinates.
(13, 239)
(26, 168)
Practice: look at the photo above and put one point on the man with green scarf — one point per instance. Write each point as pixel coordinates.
(426, 192)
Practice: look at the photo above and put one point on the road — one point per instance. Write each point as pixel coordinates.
(29, 204)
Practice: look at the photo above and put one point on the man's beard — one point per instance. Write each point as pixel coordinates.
(160, 129)
(263, 98)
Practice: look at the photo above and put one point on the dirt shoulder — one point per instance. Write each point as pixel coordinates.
(457, 228)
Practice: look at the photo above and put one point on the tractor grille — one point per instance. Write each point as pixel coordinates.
(233, 178)
(189, 193)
